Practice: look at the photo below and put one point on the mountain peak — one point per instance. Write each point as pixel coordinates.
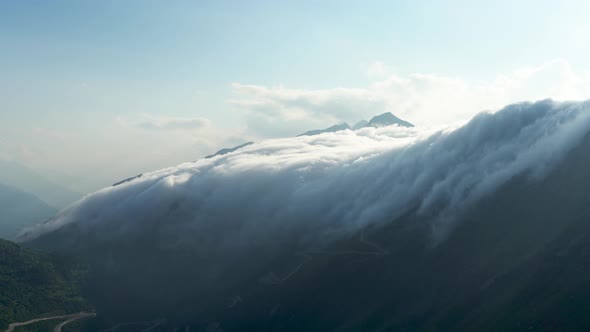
(388, 119)
(383, 120)
(360, 124)
(334, 128)
(228, 150)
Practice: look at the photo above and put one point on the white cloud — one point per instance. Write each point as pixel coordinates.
(378, 69)
(334, 183)
(280, 111)
(173, 123)
(423, 99)
(154, 140)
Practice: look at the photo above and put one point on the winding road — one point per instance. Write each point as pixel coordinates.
(71, 318)
(80, 316)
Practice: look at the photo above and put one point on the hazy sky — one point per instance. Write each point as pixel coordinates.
(101, 90)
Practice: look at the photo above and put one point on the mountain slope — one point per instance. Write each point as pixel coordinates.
(360, 124)
(19, 210)
(387, 119)
(19, 176)
(228, 150)
(33, 284)
(483, 228)
(332, 129)
(379, 121)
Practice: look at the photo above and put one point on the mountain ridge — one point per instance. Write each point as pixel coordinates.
(224, 151)
(378, 121)
(26, 179)
(19, 210)
(388, 119)
(251, 236)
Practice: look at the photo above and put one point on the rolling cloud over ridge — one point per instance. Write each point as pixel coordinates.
(335, 183)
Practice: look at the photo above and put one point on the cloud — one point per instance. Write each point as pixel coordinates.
(172, 123)
(333, 184)
(423, 99)
(378, 69)
(276, 112)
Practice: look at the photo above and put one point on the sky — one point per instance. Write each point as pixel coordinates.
(97, 91)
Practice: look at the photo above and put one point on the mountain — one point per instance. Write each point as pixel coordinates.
(360, 124)
(342, 126)
(383, 120)
(127, 180)
(34, 284)
(26, 179)
(19, 210)
(228, 150)
(480, 228)
(388, 119)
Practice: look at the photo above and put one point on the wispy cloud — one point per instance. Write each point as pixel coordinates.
(378, 69)
(172, 123)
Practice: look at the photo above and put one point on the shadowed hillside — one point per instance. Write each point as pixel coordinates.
(512, 259)
(19, 210)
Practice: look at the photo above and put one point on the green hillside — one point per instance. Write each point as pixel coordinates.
(34, 284)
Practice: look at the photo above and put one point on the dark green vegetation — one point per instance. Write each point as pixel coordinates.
(19, 210)
(34, 285)
(42, 326)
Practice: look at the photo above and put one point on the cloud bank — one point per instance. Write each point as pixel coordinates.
(158, 133)
(423, 99)
(173, 123)
(334, 183)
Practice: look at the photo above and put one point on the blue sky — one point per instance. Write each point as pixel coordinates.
(120, 87)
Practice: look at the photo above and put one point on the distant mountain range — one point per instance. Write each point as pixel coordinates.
(379, 121)
(19, 210)
(387, 119)
(19, 176)
(342, 126)
(360, 124)
(28, 198)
